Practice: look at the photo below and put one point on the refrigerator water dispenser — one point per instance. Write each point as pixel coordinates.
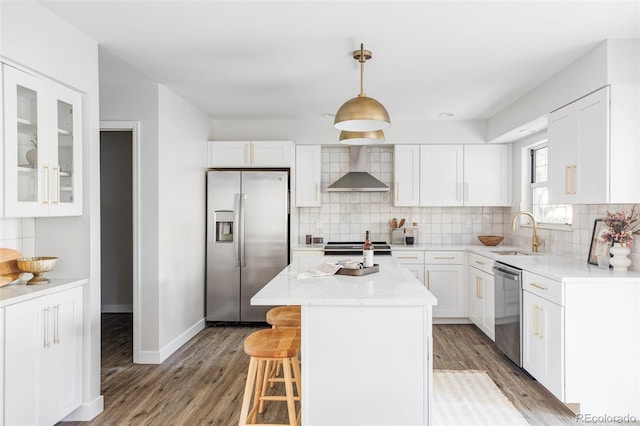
(224, 225)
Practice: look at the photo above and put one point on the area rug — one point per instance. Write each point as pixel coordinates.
(468, 397)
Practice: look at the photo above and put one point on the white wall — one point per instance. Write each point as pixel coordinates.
(126, 95)
(172, 204)
(37, 40)
(183, 133)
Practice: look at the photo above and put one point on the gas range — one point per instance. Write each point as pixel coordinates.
(354, 248)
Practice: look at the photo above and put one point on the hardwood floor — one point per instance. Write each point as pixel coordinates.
(202, 383)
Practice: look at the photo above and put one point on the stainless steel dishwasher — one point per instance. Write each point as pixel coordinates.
(508, 310)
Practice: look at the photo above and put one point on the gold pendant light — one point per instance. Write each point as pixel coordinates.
(361, 138)
(362, 113)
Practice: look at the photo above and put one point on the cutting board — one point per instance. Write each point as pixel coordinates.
(9, 271)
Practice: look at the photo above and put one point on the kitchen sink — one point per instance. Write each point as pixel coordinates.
(511, 253)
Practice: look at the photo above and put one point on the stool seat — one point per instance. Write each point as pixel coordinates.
(284, 316)
(273, 343)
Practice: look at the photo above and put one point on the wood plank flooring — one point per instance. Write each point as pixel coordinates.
(202, 383)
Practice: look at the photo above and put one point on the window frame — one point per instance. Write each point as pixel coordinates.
(529, 184)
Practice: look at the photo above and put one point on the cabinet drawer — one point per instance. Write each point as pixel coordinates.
(444, 258)
(409, 256)
(483, 263)
(542, 286)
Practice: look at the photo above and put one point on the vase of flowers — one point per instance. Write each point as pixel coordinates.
(620, 234)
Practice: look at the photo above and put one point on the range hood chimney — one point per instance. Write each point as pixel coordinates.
(358, 179)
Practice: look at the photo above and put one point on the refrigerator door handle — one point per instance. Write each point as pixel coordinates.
(241, 260)
(236, 233)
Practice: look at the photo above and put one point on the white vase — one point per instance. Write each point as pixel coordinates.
(620, 260)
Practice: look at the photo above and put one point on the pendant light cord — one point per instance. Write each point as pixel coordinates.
(362, 60)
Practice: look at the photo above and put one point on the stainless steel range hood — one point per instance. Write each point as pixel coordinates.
(358, 179)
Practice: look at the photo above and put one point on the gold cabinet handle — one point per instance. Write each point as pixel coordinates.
(480, 262)
(566, 180)
(57, 170)
(540, 322)
(444, 257)
(46, 343)
(541, 287)
(56, 324)
(48, 184)
(408, 257)
(573, 179)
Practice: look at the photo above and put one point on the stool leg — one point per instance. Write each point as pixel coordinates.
(253, 414)
(246, 399)
(297, 378)
(288, 383)
(268, 368)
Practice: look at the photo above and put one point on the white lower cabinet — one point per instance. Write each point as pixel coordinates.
(413, 260)
(43, 358)
(480, 290)
(542, 337)
(444, 277)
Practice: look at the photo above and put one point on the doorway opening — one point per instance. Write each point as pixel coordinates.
(119, 234)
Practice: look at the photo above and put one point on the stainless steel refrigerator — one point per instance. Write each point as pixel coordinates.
(247, 240)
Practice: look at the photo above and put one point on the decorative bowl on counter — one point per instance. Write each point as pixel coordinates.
(490, 240)
(37, 266)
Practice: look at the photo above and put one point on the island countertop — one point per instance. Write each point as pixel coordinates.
(393, 285)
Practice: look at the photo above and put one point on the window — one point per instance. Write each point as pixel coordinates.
(545, 213)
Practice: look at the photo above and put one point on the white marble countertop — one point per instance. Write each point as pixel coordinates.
(393, 285)
(558, 268)
(19, 291)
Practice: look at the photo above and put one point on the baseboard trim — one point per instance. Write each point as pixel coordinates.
(87, 411)
(452, 321)
(158, 357)
(117, 309)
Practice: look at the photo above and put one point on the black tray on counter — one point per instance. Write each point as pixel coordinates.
(359, 272)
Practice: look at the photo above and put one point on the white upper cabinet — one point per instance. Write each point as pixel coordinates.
(42, 147)
(250, 153)
(593, 149)
(486, 175)
(308, 175)
(406, 166)
(441, 175)
(452, 175)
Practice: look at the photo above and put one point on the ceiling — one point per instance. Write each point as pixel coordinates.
(293, 59)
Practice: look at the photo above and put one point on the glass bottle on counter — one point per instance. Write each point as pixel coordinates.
(367, 252)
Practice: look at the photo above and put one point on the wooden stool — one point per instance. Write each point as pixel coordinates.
(267, 347)
(284, 317)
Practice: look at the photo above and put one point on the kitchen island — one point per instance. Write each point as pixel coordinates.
(366, 343)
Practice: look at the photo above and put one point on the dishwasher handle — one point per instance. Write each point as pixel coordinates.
(507, 271)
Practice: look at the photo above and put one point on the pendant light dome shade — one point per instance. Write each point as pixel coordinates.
(362, 113)
(361, 138)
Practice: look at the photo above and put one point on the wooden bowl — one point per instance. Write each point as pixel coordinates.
(490, 240)
(37, 266)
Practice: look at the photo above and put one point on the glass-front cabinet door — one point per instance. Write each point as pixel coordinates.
(41, 146)
(66, 156)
